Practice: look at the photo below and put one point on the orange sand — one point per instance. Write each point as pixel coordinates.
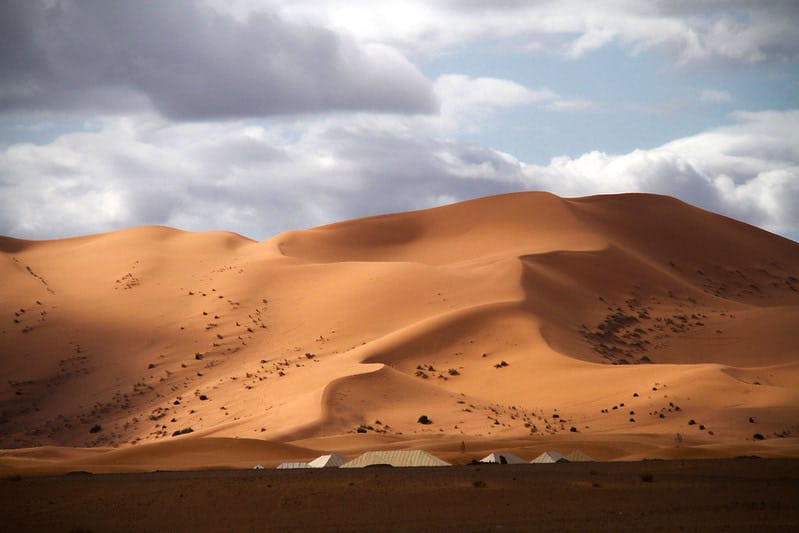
(600, 307)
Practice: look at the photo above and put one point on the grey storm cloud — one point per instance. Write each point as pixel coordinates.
(191, 62)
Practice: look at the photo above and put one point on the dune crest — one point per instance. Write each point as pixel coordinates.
(517, 318)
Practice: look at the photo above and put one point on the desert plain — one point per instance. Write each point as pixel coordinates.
(632, 327)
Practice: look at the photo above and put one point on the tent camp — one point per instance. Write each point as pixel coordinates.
(292, 466)
(577, 456)
(550, 457)
(332, 460)
(395, 458)
(503, 458)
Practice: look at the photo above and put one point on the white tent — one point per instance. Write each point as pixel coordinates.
(550, 457)
(395, 458)
(258, 467)
(503, 458)
(577, 456)
(332, 460)
(292, 466)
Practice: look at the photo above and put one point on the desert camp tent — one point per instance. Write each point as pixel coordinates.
(258, 467)
(503, 458)
(550, 457)
(577, 456)
(395, 458)
(332, 460)
(292, 466)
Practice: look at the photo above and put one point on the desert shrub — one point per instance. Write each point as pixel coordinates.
(424, 420)
(479, 484)
(182, 432)
(203, 397)
(758, 436)
(573, 429)
(647, 477)
(198, 356)
(453, 372)
(361, 429)
(692, 422)
(96, 428)
(751, 420)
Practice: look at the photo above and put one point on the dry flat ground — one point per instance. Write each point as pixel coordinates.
(707, 495)
(629, 326)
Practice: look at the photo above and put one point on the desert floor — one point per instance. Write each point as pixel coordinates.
(743, 494)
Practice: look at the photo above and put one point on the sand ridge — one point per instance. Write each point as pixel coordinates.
(634, 318)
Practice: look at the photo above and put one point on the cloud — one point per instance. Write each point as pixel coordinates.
(462, 92)
(713, 96)
(261, 178)
(741, 31)
(467, 103)
(233, 176)
(748, 170)
(577, 105)
(190, 62)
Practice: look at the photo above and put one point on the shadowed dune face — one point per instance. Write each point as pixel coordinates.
(522, 317)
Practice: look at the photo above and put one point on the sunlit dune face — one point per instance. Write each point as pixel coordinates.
(632, 325)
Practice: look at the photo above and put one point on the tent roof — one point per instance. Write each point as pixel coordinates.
(550, 456)
(288, 466)
(577, 456)
(395, 458)
(332, 460)
(497, 457)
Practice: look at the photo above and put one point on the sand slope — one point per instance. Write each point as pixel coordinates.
(518, 318)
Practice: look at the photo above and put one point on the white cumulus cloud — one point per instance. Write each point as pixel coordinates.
(742, 31)
(259, 179)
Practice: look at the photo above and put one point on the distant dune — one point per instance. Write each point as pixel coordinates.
(628, 326)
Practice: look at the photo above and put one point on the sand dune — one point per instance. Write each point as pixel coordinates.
(636, 325)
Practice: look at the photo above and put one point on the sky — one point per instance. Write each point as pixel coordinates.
(261, 116)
